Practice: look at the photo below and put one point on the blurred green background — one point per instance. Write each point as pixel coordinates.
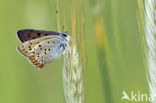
(123, 58)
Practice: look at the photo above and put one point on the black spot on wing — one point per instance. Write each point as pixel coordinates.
(38, 34)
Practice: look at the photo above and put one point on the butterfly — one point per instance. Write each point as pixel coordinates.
(41, 47)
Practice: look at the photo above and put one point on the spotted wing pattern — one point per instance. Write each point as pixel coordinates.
(46, 51)
(27, 46)
(43, 50)
(29, 34)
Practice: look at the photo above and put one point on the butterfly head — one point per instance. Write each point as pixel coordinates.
(65, 36)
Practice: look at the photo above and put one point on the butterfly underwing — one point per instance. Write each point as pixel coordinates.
(44, 48)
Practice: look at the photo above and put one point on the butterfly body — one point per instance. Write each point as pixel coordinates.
(42, 50)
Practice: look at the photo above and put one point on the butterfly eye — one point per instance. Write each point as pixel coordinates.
(65, 35)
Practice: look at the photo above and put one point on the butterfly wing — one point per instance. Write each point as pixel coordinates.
(29, 34)
(27, 46)
(42, 51)
(45, 52)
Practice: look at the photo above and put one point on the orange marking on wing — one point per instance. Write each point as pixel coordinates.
(42, 35)
(37, 64)
(42, 65)
(32, 59)
(33, 35)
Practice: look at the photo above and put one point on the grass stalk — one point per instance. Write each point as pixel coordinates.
(73, 77)
(102, 46)
(147, 25)
(74, 62)
(58, 16)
